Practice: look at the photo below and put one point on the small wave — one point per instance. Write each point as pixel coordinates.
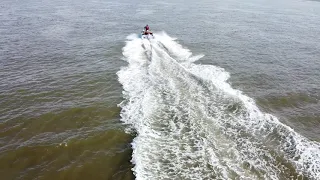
(191, 124)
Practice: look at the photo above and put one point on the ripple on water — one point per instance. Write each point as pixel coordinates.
(78, 143)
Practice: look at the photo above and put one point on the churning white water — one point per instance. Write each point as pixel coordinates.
(191, 124)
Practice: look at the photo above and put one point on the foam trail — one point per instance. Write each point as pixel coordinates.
(191, 124)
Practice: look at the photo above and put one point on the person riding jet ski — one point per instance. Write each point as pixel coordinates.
(146, 30)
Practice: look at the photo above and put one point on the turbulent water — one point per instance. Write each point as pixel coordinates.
(191, 124)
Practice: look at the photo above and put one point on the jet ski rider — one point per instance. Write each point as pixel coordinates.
(146, 30)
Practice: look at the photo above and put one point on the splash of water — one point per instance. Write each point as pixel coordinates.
(191, 124)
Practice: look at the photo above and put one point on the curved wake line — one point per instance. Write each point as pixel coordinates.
(191, 124)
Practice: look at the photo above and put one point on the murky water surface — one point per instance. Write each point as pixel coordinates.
(60, 67)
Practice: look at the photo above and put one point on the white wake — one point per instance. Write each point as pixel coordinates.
(191, 124)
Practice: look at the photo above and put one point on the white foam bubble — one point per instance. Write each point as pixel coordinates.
(191, 124)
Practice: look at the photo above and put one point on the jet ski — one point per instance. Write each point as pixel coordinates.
(146, 34)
